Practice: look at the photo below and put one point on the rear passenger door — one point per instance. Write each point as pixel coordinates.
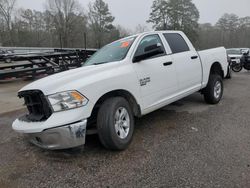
(187, 62)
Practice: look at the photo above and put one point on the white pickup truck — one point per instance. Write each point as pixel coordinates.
(125, 79)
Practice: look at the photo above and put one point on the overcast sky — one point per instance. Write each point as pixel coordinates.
(130, 13)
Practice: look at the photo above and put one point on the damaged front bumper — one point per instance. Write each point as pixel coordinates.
(63, 137)
(62, 130)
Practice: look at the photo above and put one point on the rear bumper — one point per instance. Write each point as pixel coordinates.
(65, 137)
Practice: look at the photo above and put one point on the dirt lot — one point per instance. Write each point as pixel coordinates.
(8, 95)
(187, 144)
(8, 92)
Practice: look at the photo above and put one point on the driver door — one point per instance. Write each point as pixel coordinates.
(156, 74)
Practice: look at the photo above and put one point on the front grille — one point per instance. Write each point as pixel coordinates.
(37, 105)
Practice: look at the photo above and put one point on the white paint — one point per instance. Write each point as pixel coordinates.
(167, 83)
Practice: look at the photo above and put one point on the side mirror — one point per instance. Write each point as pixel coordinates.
(149, 51)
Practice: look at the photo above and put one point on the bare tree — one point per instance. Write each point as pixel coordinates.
(228, 24)
(64, 14)
(124, 32)
(230, 31)
(6, 12)
(141, 28)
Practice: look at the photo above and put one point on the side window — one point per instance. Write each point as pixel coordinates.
(176, 42)
(147, 42)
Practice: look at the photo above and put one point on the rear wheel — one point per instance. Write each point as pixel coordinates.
(229, 73)
(115, 124)
(214, 90)
(247, 66)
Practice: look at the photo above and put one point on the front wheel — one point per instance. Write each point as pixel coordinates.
(214, 90)
(115, 124)
(237, 67)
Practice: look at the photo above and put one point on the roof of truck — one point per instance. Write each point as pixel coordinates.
(151, 32)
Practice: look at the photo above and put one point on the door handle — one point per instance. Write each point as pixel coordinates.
(194, 57)
(168, 63)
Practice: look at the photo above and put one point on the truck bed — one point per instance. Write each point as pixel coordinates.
(210, 56)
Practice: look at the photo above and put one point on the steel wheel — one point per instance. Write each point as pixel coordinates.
(115, 123)
(217, 89)
(122, 123)
(214, 90)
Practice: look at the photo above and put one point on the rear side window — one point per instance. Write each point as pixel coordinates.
(176, 42)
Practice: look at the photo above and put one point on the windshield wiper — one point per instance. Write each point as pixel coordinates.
(100, 63)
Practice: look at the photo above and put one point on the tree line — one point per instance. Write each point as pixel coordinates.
(64, 23)
(230, 31)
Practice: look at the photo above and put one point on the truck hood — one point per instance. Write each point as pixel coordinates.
(72, 79)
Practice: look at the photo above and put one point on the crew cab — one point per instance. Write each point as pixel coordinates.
(128, 78)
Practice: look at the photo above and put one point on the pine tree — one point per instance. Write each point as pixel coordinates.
(158, 16)
(175, 15)
(101, 20)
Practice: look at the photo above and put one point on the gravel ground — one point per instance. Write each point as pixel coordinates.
(186, 144)
(8, 95)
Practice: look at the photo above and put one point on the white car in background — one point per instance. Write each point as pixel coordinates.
(239, 58)
(235, 54)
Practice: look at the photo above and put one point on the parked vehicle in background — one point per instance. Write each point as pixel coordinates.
(237, 58)
(245, 51)
(246, 58)
(125, 79)
(4, 55)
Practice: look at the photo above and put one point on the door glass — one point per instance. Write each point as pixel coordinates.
(176, 42)
(149, 41)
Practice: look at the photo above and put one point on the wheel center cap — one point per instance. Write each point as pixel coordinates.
(121, 124)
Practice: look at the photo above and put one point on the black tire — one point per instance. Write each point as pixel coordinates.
(229, 73)
(212, 94)
(106, 125)
(237, 68)
(247, 66)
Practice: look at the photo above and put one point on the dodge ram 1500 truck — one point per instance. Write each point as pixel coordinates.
(128, 78)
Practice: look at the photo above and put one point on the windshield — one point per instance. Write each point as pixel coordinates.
(115, 51)
(234, 52)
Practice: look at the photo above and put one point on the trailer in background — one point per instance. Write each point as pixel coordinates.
(33, 64)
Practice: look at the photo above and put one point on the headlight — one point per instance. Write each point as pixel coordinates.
(67, 100)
